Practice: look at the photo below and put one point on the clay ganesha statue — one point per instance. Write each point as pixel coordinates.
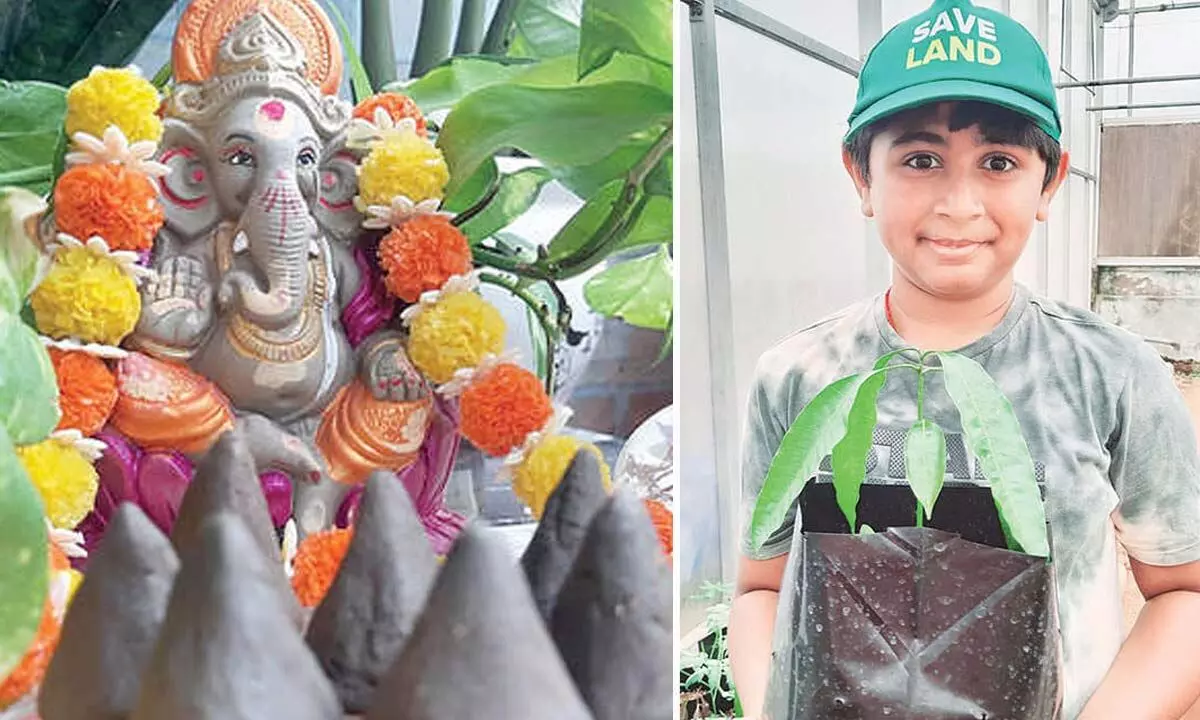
(262, 287)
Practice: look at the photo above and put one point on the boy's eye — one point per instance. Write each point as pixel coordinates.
(924, 161)
(999, 163)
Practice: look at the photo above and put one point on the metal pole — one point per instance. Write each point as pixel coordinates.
(717, 279)
(768, 26)
(1129, 95)
(1162, 7)
(1127, 81)
(1144, 106)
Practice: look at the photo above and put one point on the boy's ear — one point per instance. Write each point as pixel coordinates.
(1048, 193)
(860, 183)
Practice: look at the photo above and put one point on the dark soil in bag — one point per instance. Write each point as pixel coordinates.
(915, 623)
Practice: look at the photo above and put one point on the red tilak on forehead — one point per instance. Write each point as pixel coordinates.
(273, 110)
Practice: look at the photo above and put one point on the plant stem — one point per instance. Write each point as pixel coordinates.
(378, 50)
(163, 76)
(470, 27)
(498, 36)
(549, 328)
(920, 514)
(433, 39)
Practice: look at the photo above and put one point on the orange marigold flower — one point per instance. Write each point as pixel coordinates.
(502, 408)
(109, 200)
(87, 390)
(318, 558)
(398, 106)
(663, 522)
(422, 254)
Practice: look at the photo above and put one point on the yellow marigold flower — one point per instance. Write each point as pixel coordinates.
(114, 96)
(64, 477)
(87, 296)
(536, 478)
(407, 165)
(456, 332)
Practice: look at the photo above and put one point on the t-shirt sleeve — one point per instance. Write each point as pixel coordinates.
(1154, 467)
(762, 434)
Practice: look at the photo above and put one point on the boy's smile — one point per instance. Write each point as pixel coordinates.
(953, 208)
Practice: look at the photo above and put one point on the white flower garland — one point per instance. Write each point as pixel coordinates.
(456, 284)
(127, 260)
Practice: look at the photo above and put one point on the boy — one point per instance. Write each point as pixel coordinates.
(953, 148)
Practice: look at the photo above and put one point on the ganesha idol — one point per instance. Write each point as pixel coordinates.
(267, 315)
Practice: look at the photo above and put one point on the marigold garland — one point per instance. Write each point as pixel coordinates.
(536, 478)
(422, 254)
(501, 409)
(114, 96)
(407, 165)
(398, 107)
(87, 296)
(663, 523)
(111, 201)
(453, 334)
(316, 564)
(87, 390)
(64, 478)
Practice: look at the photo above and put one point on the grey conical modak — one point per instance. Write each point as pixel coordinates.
(360, 627)
(480, 649)
(226, 480)
(227, 648)
(562, 528)
(613, 619)
(110, 630)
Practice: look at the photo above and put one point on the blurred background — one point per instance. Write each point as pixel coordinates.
(773, 238)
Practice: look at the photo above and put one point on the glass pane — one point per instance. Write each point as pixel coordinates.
(835, 24)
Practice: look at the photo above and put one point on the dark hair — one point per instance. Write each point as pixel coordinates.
(997, 125)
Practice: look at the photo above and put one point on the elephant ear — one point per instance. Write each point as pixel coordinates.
(187, 190)
(338, 184)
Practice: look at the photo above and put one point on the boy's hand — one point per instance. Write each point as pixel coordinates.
(1157, 672)
(751, 625)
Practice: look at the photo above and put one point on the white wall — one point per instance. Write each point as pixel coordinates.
(798, 248)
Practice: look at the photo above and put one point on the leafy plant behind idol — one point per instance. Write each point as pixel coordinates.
(840, 420)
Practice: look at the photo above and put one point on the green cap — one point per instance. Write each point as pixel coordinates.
(956, 51)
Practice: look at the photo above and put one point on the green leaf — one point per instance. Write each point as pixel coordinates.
(668, 342)
(640, 27)
(640, 292)
(61, 41)
(360, 82)
(653, 225)
(660, 180)
(163, 76)
(518, 247)
(473, 189)
(21, 261)
(30, 126)
(24, 560)
(925, 459)
(849, 458)
(546, 28)
(517, 193)
(866, 530)
(445, 85)
(586, 180)
(584, 224)
(28, 388)
(812, 436)
(993, 435)
(558, 126)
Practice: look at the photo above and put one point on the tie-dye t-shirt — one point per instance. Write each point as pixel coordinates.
(1108, 429)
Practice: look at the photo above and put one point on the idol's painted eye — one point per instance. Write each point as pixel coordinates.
(239, 156)
(307, 157)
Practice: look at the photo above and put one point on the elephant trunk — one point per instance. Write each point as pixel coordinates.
(279, 229)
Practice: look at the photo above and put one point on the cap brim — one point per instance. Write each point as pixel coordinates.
(945, 90)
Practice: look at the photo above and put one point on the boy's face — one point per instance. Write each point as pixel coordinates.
(953, 209)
